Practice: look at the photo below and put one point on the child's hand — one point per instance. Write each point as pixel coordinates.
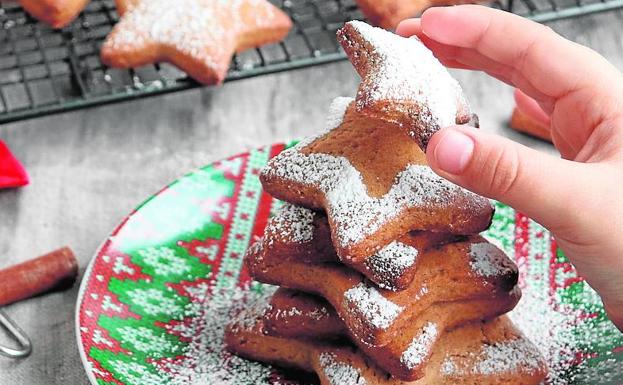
(578, 198)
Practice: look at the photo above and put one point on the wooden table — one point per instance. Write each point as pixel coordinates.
(92, 167)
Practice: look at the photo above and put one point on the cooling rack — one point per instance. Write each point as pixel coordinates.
(43, 71)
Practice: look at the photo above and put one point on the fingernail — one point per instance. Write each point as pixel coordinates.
(454, 151)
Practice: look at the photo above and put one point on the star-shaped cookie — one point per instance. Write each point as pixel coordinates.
(388, 13)
(56, 13)
(373, 183)
(455, 284)
(198, 36)
(297, 231)
(402, 82)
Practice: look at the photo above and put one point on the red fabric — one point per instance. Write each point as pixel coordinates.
(12, 173)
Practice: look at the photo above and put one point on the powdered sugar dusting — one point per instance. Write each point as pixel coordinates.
(509, 357)
(340, 373)
(337, 110)
(486, 260)
(518, 355)
(292, 223)
(206, 359)
(354, 212)
(403, 69)
(420, 347)
(366, 301)
(391, 262)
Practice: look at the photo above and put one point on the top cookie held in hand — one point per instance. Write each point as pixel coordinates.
(373, 182)
(402, 82)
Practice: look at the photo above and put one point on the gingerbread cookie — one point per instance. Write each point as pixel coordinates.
(402, 82)
(389, 13)
(56, 13)
(293, 314)
(373, 183)
(471, 274)
(198, 36)
(524, 123)
(295, 230)
(487, 354)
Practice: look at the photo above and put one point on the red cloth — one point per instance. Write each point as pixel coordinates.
(12, 173)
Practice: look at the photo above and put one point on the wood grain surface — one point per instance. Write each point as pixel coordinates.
(90, 168)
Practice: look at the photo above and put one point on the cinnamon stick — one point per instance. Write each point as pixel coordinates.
(54, 271)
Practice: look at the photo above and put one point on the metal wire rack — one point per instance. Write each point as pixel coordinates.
(43, 71)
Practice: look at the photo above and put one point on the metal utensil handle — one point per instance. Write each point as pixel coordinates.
(25, 346)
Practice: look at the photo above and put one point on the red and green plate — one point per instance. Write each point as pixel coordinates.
(157, 294)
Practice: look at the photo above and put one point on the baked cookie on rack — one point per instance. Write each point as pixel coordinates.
(56, 13)
(295, 230)
(198, 36)
(373, 183)
(402, 82)
(388, 13)
(457, 283)
(490, 353)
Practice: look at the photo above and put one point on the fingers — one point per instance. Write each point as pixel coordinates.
(543, 187)
(409, 27)
(531, 56)
(525, 47)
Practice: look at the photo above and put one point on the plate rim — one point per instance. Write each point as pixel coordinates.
(86, 278)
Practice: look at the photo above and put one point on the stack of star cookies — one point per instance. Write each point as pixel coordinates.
(383, 276)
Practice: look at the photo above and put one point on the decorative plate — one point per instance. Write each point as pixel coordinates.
(155, 298)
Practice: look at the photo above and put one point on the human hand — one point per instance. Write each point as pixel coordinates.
(580, 95)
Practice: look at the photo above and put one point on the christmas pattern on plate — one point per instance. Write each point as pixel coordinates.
(158, 294)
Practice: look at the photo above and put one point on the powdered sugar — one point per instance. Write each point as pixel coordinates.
(518, 355)
(206, 359)
(292, 223)
(509, 357)
(391, 262)
(420, 347)
(366, 301)
(487, 260)
(340, 373)
(404, 70)
(337, 110)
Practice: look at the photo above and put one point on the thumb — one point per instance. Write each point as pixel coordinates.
(541, 186)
